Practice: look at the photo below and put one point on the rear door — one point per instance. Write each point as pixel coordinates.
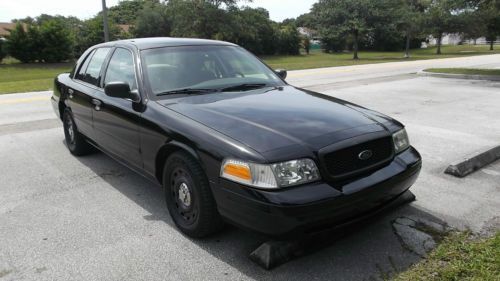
(116, 122)
(81, 92)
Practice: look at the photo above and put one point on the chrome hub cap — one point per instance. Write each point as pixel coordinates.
(184, 195)
(71, 131)
(183, 202)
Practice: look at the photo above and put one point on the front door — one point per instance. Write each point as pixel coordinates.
(116, 123)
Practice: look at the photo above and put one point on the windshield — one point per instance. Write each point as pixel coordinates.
(205, 68)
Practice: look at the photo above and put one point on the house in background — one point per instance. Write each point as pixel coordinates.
(5, 28)
(311, 34)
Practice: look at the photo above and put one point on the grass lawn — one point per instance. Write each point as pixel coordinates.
(319, 59)
(469, 71)
(16, 78)
(459, 257)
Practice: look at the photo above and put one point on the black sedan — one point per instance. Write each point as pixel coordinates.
(229, 140)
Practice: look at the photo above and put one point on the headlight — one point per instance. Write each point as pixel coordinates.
(270, 176)
(401, 141)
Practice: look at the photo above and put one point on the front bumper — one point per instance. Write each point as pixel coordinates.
(318, 206)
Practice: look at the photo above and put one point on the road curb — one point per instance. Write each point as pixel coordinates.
(473, 163)
(459, 76)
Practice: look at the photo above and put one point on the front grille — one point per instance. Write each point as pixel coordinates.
(346, 161)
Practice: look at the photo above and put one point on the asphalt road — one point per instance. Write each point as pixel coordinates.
(67, 218)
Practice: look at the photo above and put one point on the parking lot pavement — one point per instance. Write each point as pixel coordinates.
(89, 218)
(26, 107)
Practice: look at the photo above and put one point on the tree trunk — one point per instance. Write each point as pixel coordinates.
(407, 49)
(491, 44)
(440, 38)
(475, 41)
(356, 35)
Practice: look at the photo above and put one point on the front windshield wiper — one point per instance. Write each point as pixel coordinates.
(187, 91)
(243, 87)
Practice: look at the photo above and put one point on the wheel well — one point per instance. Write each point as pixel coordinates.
(161, 157)
(166, 151)
(62, 104)
(62, 107)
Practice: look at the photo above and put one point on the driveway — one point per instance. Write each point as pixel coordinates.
(67, 218)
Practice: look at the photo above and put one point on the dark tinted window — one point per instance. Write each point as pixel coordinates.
(121, 68)
(93, 69)
(81, 72)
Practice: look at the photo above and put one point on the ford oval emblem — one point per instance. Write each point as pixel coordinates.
(365, 155)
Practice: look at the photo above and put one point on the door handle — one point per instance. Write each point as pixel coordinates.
(70, 92)
(97, 104)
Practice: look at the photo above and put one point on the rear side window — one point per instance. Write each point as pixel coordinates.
(81, 72)
(91, 70)
(121, 68)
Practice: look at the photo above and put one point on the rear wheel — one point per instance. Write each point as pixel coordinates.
(189, 198)
(75, 141)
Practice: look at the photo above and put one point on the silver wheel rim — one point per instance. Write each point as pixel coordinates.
(184, 195)
(71, 130)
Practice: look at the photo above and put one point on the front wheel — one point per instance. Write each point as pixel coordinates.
(75, 141)
(189, 198)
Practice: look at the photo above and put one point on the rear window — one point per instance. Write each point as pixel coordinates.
(91, 68)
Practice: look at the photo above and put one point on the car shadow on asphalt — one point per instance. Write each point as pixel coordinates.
(371, 251)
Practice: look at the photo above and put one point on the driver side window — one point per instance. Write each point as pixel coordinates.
(121, 68)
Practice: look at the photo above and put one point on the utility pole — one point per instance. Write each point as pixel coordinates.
(105, 21)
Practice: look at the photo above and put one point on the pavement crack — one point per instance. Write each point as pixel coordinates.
(419, 236)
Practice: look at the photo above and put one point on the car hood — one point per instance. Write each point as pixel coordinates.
(273, 118)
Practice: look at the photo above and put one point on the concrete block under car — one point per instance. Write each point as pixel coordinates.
(274, 253)
(473, 162)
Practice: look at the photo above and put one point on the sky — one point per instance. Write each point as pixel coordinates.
(84, 9)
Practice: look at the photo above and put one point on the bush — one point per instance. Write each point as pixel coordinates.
(55, 42)
(252, 29)
(49, 42)
(289, 40)
(333, 43)
(19, 45)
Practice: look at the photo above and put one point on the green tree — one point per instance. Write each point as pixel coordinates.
(444, 16)
(489, 11)
(126, 12)
(252, 29)
(152, 22)
(305, 20)
(194, 18)
(91, 32)
(19, 45)
(475, 26)
(289, 40)
(56, 41)
(345, 18)
(35, 43)
(410, 20)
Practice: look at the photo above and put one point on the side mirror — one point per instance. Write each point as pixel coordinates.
(120, 90)
(281, 73)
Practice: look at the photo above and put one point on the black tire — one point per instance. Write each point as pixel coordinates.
(189, 199)
(75, 141)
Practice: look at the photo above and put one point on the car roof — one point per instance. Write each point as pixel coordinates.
(159, 42)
